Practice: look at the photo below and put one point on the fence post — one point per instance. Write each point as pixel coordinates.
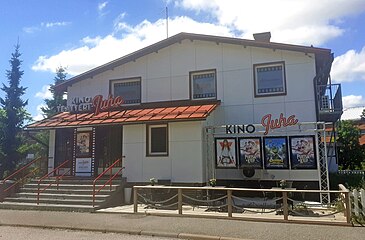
(348, 207)
(135, 200)
(285, 205)
(355, 194)
(229, 202)
(179, 200)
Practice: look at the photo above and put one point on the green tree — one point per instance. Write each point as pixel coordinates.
(2, 120)
(350, 152)
(57, 97)
(363, 114)
(14, 114)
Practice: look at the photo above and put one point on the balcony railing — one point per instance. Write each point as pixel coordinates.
(329, 102)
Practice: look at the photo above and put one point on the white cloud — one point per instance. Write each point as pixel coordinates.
(54, 24)
(45, 25)
(351, 101)
(101, 8)
(31, 29)
(99, 50)
(39, 116)
(45, 93)
(349, 66)
(300, 21)
(102, 5)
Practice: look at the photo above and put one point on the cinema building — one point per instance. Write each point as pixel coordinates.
(194, 107)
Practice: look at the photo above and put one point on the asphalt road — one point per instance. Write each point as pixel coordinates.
(175, 226)
(15, 233)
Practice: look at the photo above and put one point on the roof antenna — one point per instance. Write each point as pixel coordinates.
(167, 23)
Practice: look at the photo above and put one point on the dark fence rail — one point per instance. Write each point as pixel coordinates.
(351, 172)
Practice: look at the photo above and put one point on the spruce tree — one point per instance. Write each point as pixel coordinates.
(57, 97)
(14, 114)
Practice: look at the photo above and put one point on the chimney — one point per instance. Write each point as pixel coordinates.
(262, 37)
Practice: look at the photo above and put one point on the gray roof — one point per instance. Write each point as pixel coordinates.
(353, 113)
(322, 54)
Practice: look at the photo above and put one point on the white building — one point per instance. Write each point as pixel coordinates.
(182, 106)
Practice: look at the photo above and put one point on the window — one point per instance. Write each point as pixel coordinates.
(128, 89)
(269, 79)
(203, 84)
(157, 140)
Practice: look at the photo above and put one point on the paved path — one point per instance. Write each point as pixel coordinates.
(14, 233)
(178, 227)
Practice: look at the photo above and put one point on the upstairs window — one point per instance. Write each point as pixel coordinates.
(269, 79)
(203, 85)
(157, 140)
(128, 89)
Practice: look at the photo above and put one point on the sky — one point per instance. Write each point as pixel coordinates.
(83, 34)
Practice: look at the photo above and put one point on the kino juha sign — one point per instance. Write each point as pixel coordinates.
(87, 104)
(267, 122)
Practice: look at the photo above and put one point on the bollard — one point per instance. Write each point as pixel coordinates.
(285, 206)
(179, 203)
(135, 202)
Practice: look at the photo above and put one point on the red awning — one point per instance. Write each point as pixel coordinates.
(136, 115)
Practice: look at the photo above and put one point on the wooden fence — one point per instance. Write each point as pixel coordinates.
(225, 202)
(358, 203)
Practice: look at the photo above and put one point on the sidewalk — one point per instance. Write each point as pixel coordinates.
(175, 226)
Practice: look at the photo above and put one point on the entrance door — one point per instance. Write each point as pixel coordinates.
(108, 146)
(64, 148)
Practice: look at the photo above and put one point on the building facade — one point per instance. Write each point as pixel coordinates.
(195, 107)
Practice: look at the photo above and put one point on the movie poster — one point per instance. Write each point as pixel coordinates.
(225, 149)
(275, 152)
(83, 144)
(302, 152)
(250, 152)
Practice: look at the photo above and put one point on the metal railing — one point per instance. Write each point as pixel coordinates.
(58, 177)
(282, 202)
(23, 177)
(330, 98)
(110, 180)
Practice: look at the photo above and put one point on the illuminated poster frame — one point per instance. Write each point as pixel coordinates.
(302, 152)
(250, 152)
(276, 153)
(225, 152)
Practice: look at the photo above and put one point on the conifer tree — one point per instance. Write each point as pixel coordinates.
(14, 114)
(57, 97)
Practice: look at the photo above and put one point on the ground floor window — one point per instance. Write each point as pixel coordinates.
(157, 140)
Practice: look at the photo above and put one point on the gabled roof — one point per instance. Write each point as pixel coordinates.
(322, 54)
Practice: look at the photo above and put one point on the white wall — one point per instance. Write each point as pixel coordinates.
(183, 163)
(165, 77)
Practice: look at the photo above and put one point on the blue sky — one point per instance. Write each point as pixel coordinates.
(82, 34)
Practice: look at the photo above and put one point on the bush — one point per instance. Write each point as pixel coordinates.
(350, 181)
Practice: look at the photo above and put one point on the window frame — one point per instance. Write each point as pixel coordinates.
(125, 80)
(269, 64)
(148, 140)
(191, 85)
